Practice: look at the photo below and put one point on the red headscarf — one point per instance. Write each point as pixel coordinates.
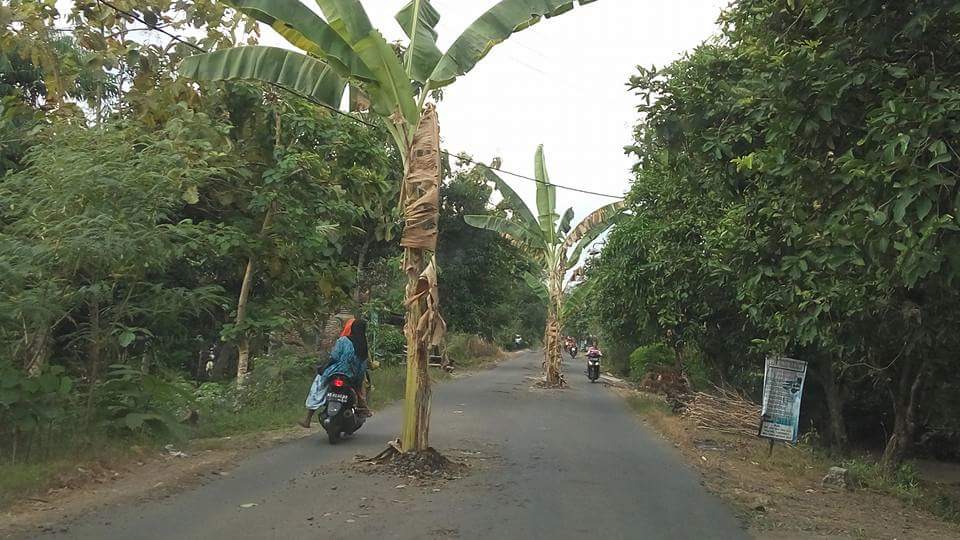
(347, 328)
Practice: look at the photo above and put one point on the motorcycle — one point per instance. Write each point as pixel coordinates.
(573, 351)
(339, 416)
(593, 365)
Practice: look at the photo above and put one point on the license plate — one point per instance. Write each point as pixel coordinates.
(342, 398)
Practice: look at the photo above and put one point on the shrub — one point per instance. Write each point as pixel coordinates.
(390, 344)
(132, 401)
(465, 349)
(647, 356)
(276, 378)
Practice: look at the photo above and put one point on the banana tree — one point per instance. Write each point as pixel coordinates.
(547, 238)
(340, 48)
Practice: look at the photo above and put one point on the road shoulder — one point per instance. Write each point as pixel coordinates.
(780, 495)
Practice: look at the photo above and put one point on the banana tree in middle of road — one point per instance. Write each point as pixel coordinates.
(342, 48)
(547, 238)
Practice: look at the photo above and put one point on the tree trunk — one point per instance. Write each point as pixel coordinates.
(243, 350)
(416, 406)
(905, 404)
(361, 263)
(834, 398)
(420, 202)
(37, 350)
(552, 346)
(552, 351)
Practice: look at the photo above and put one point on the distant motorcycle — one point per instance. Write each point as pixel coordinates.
(573, 351)
(339, 416)
(593, 364)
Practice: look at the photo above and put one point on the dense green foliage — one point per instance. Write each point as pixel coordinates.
(132, 207)
(650, 357)
(796, 192)
(126, 225)
(481, 285)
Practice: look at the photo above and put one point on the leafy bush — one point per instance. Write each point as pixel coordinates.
(466, 349)
(212, 395)
(390, 343)
(29, 403)
(130, 400)
(647, 356)
(275, 379)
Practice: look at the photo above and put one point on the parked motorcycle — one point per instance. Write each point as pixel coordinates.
(593, 364)
(339, 416)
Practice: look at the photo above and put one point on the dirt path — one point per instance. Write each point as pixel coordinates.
(780, 496)
(542, 464)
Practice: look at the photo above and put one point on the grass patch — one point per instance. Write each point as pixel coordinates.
(905, 484)
(646, 405)
(74, 461)
(25, 479)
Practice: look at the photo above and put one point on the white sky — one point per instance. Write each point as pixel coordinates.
(561, 83)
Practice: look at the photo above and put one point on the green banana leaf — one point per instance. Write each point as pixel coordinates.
(506, 228)
(537, 286)
(307, 31)
(575, 299)
(491, 28)
(546, 199)
(514, 201)
(564, 227)
(590, 228)
(294, 71)
(393, 91)
(419, 20)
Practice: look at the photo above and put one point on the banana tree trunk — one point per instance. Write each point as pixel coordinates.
(552, 351)
(420, 199)
(552, 347)
(416, 406)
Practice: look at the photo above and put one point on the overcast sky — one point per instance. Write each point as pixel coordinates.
(561, 83)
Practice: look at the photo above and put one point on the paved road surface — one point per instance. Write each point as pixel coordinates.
(563, 464)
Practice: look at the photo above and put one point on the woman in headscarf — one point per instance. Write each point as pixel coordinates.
(348, 357)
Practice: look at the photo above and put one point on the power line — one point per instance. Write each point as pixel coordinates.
(350, 116)
(523, 177)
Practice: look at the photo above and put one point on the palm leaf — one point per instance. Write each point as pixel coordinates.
(514, 201)
(505, 227)
(305, 30)
(419, 20)
(287, 69)
(491, 28)
(393, 91)
(546, 199)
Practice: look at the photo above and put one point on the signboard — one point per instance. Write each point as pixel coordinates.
(782, 389)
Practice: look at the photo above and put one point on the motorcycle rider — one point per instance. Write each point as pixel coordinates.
(349, 357)
(593, 352)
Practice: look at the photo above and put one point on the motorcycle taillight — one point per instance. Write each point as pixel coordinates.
(338, 383)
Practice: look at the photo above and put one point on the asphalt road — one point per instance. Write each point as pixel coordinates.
(574, 463)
